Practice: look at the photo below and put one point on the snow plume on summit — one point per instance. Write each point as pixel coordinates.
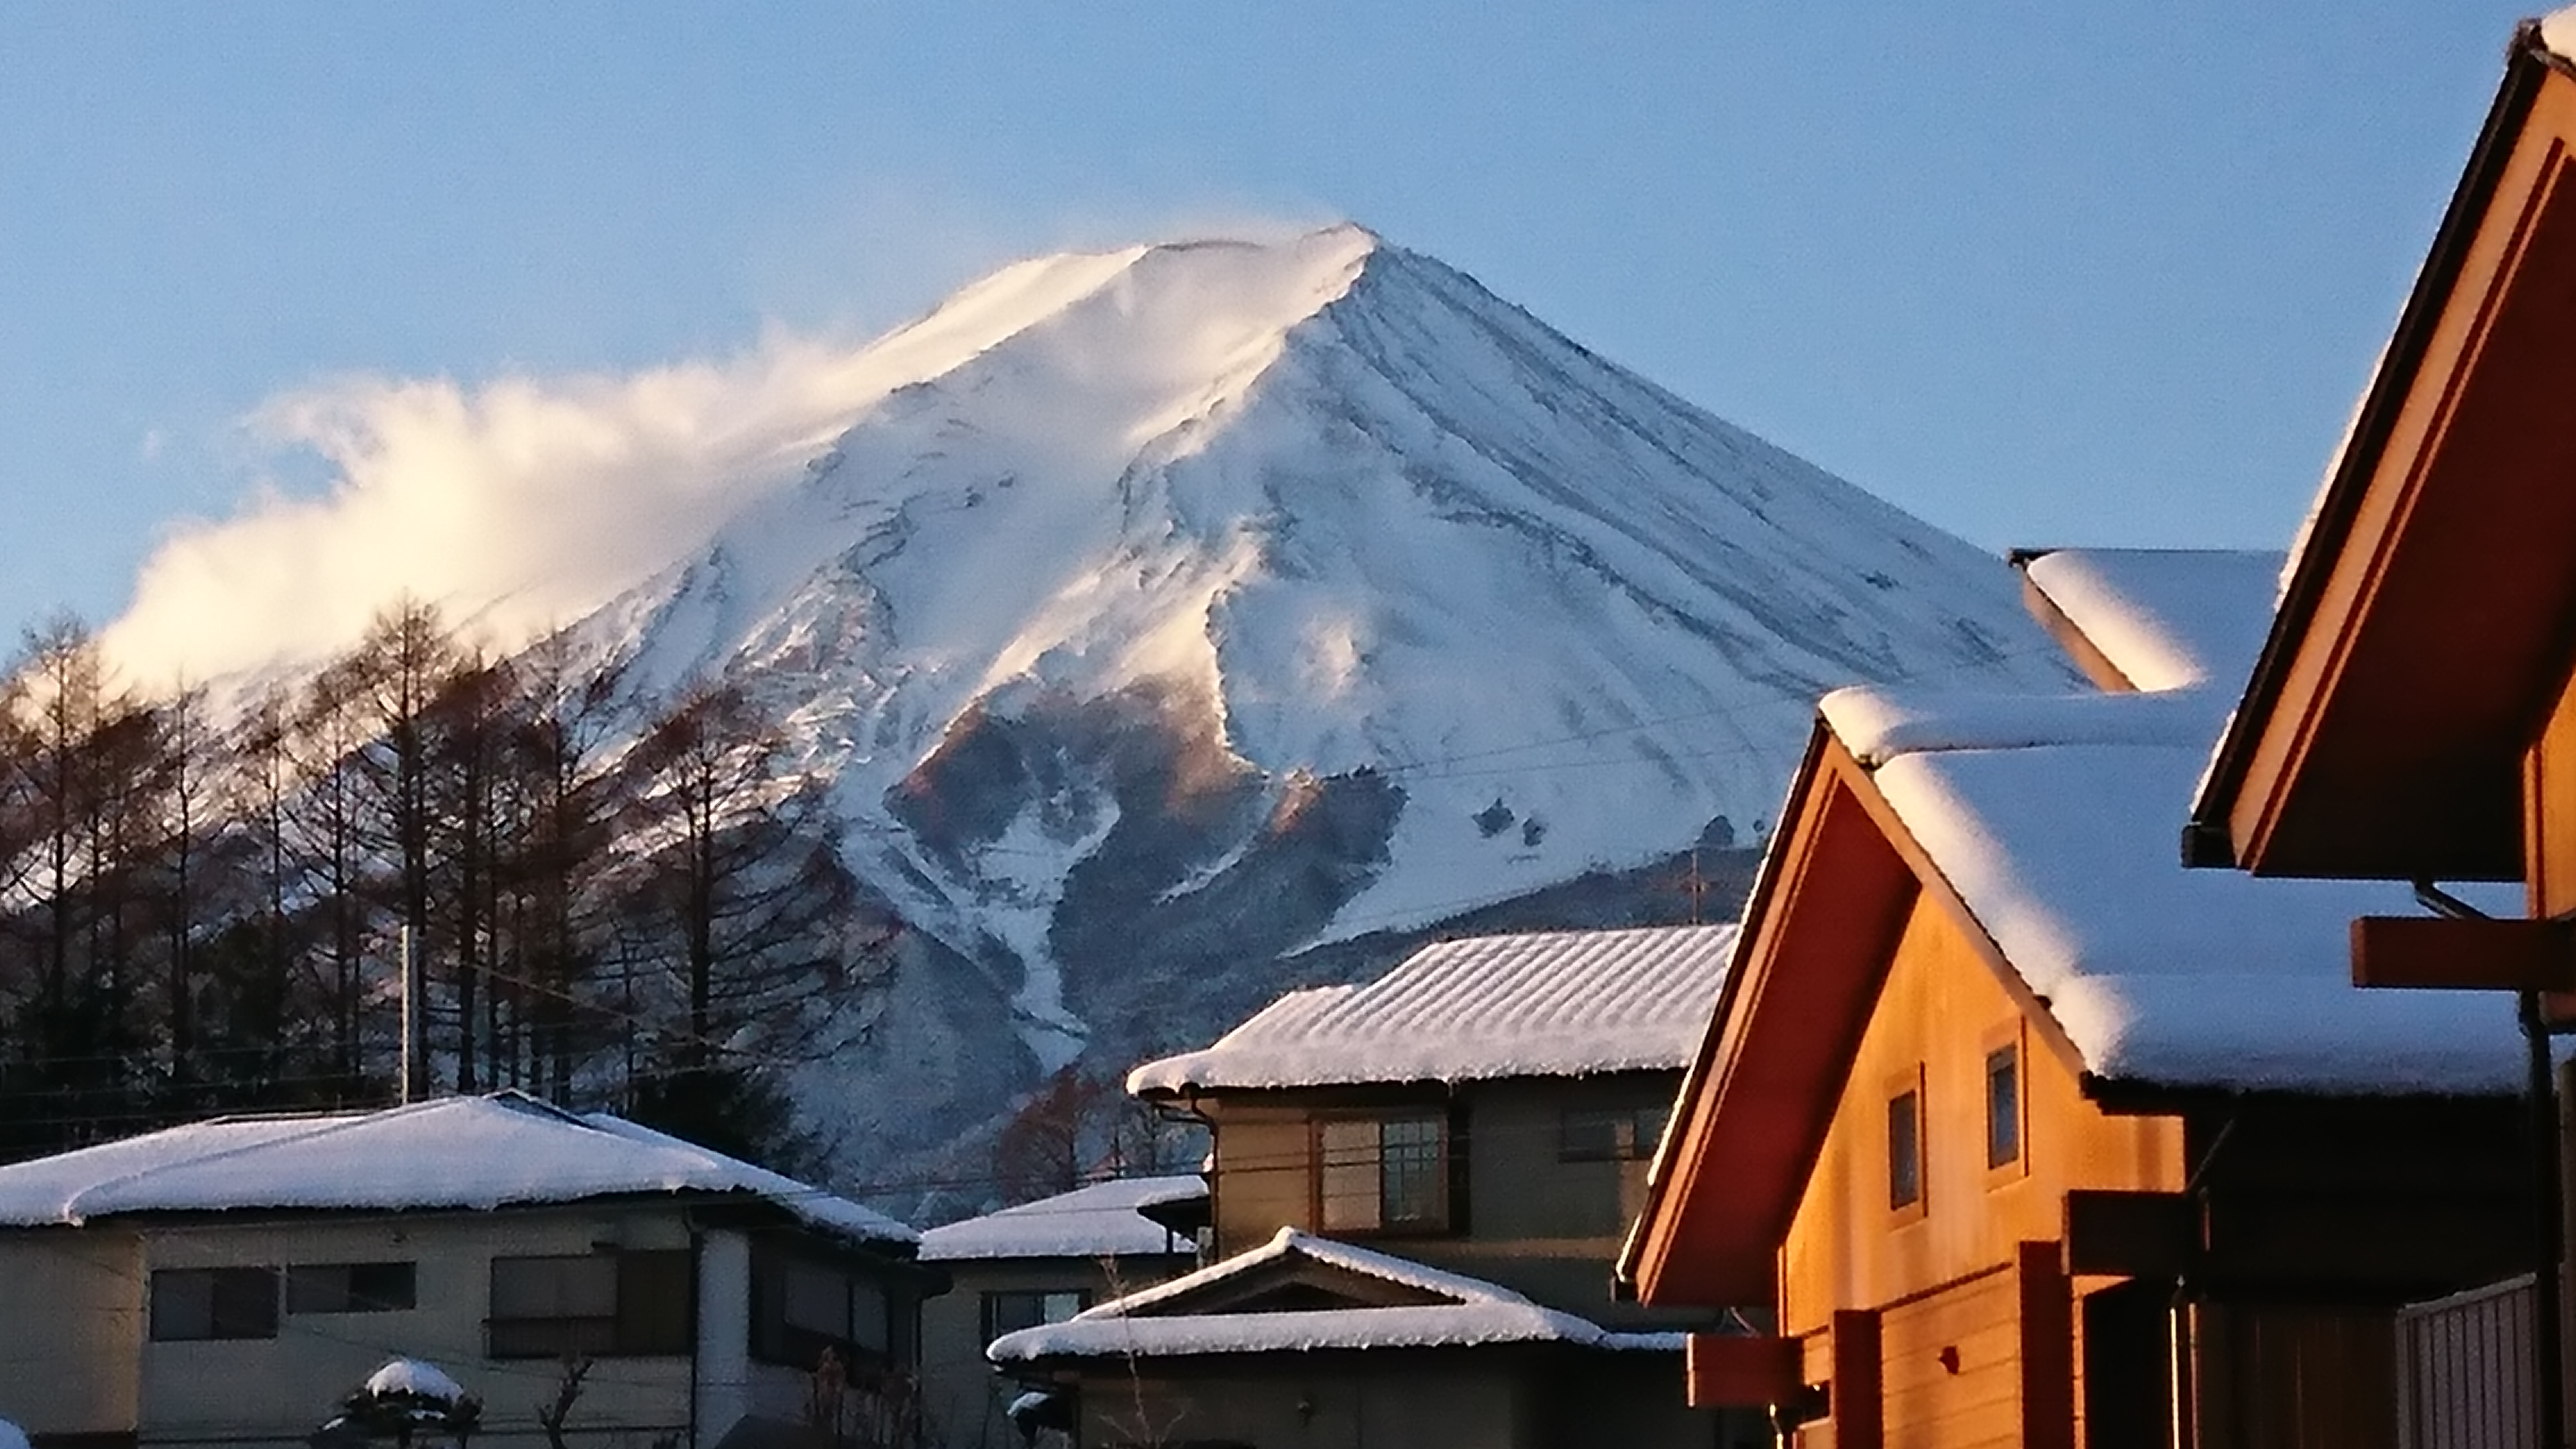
(526, 502)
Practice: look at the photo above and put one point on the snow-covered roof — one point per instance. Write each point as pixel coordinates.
(471, 1153)
(2053, 818)
(2558, 32)
(1099, 1221)
(2165, 618)
(1548, 1004)
(1476, 1313)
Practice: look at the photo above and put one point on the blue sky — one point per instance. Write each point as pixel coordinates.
(2039, 276)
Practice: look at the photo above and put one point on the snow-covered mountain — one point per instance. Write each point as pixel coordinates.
(1191, 605)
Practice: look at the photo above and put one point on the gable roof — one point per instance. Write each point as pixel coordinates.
(1468, 1312)
(2041, 827)
(1546, 1004)
(1099, 1221)
(2426, 619)
(452, 1153)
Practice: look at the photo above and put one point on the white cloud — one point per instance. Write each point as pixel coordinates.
(524, 502)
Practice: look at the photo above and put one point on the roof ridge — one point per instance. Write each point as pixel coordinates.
(324, 1127)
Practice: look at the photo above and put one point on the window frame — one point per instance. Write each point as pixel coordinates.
(1439, 1173)
(1634, 1132)
(309, 1277)
(2013, 1039)
(160, 1310)
(639, 1321)
(778, 1339)
(990, 1321)
(1899, 1089)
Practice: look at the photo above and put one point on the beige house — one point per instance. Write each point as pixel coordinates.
(1037, 1263)
(1419, 1186)
(231, 1281)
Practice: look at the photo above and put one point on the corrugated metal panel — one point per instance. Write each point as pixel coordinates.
(2465, 1370)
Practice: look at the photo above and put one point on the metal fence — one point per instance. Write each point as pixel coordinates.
(2464, 1370)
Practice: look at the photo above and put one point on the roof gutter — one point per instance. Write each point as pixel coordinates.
(2207, 840)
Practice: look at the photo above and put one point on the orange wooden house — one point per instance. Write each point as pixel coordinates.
(2412, 715)
(2023, 1133)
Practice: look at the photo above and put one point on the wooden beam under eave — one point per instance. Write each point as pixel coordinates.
(1733, 1371)
(2439, 953)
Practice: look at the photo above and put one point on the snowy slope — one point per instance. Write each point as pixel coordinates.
(1193, 604)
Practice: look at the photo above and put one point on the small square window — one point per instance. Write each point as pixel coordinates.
(1905, 1148)
(2003, 1106)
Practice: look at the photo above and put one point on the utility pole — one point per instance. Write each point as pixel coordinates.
(415, 1025)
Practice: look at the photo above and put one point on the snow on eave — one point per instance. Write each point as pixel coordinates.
(1479, 1313)
(1099, 1221)
(2164, 618)
(1436, 1326)
(1296, 1243)
(1881, 723)
(1481, 1008)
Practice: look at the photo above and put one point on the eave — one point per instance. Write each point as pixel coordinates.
(2429, 615)
(1820, 933)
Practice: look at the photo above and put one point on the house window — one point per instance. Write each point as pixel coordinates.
(1011, 1312)
(1905, 1147)
(801, 1307)
(1617, 1134)
(1385, 1174)
(594, 1304)
(349, 1287)
(2003, 1105)
(200, 1303)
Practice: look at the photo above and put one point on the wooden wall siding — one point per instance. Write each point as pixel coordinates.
(1952, 1368)
(1940, 1006)
(2464, 1370)
(2295, 1377)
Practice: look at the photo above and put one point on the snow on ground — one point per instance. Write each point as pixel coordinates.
(1562, 1003)
(468, 1153)
(1099, 1221)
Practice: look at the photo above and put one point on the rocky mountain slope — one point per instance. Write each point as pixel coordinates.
(1188, 608)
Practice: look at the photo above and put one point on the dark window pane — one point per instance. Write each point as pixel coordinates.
(1904, 1150)
(349, 1287)
(548, 1307)
(245, 1303)
(1011, 1312)
(194, 1303)
(183, 1305)
(2003, 1106)
(654, 1291)
(1587, 1135)
(1646, 1130)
